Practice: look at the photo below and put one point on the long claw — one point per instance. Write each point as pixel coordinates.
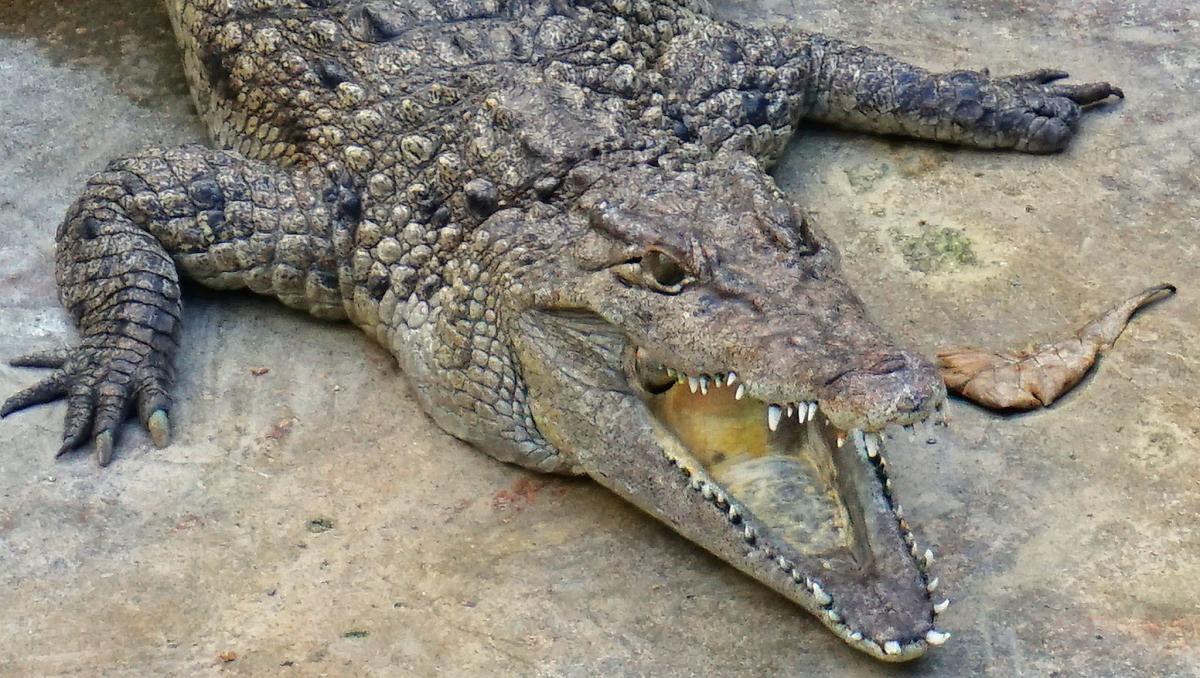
(70, 442)
(159, 427)
(104, 447)
(1088, 93)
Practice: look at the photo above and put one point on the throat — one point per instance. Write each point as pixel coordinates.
(785, 477)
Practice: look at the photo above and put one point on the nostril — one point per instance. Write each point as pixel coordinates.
(887, 365)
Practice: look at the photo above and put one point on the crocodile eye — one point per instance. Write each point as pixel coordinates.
(665, 270)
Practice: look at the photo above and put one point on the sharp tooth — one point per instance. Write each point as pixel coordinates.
(788, 412)
(898, 510)
(841, 439)
(914, 550)
(693, 384)
(856, 636)
(932, 585)
(872, 445)
(774, 414)
(741, 392)
(935, 637)
(680, 377)
(733, 513)
(704, 384)
(823, 598)
(928, 557)
(730, 378)
(812, 410)
(941, 607)
(670, 371)
(891, 647)
(833, 616)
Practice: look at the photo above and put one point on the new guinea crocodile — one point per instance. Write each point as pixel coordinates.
(557, 215)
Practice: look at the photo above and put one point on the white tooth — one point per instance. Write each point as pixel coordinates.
(935, 637)
(730, 378)
(932, 585)
(856, 636)
(872, 445)
(774, 414)
(914, 550)
(693, 384)
(741, 392)
(788, 412)
(812, 410)
(823, 598)
(928, 557)
(898, 510)
(841, 439)
(704, 384)
(941, 607)
(891, 647)
(733, 513)
(833, 616)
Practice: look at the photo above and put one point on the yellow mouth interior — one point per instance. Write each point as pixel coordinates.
(786, 478)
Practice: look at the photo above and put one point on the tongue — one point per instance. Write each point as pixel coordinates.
(789, 498)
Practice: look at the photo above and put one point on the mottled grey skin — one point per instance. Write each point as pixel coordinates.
(537, 206)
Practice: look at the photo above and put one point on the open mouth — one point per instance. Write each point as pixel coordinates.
(813, 500)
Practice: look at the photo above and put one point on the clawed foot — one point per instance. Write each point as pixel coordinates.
(101, 384)
(1046, 111)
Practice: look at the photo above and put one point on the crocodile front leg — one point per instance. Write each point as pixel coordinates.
(728, 77)
(222, 220)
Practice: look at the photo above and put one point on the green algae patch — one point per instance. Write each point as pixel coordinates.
(935, 249)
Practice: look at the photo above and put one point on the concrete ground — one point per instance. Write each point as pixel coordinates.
(311, 521)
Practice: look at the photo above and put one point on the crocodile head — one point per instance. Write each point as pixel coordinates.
(689, 340)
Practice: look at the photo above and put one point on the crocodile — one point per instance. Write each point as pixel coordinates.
(557, 216)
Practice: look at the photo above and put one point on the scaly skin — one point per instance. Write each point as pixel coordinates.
(549, 211)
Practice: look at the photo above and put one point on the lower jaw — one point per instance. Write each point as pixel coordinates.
(804, 512)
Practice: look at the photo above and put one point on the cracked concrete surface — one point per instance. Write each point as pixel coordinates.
(311, 519)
